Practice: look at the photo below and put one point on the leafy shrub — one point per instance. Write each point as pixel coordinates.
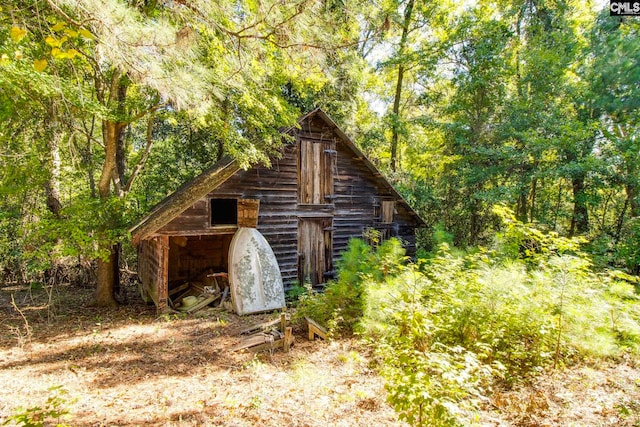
(339, 305)
(448, 328)
(428, 381)
(53, 410)
(295, 293)
(629, 248)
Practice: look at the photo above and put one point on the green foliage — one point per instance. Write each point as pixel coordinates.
(440, 235)
(628, 251)
(427, 378)
(124, 102)
(449, 327)
(50, 413)
(340, 303)
(296, 292)
(524, 241)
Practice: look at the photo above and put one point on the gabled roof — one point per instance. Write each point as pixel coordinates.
(192, 191)
(360, 156)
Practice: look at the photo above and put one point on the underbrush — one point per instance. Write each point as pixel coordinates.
(449, 328)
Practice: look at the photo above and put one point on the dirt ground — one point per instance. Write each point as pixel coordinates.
(130, 367)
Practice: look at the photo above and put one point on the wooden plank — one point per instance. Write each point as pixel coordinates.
(315, 330)
(388, 208)
(318, 174)
(261, 342)
(251, 341)
(163, 282)
(264, 326)
(178, 289)
(268, 345)
(248, 212)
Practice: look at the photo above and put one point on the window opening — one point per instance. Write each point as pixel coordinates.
(224, 211)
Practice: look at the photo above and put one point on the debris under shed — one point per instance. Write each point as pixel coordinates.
(268, 336)
(208, 289)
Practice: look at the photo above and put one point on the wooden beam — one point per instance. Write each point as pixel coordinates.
(315, 329)
(163, 282)
(260, 327)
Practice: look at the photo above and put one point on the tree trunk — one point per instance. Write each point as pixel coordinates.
(632, 195)
(522, 207)
(110, 184)
(532, 198)
(620, 221)
(475, 223)
(107, 265)
(52, 186)
(630, 202)
(120, 138)
(395, 127)
(580, 218)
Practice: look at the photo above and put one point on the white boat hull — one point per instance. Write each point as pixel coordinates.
(254, 275)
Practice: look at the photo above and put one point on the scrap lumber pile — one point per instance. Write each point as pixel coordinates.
(267, 336)
(207, 289)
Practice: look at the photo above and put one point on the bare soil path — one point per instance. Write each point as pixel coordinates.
(130, 367)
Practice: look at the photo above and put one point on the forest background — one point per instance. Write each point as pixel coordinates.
(510, 126)
(107, 106)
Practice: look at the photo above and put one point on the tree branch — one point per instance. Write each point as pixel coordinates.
(145, 155)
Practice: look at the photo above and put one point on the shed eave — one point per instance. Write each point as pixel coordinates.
(185, 196)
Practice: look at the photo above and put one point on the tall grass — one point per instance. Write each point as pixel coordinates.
(449, 328)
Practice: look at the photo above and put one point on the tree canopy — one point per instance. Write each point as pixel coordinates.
(109, 105)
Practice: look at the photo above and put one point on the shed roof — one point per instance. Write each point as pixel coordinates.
(191, 191)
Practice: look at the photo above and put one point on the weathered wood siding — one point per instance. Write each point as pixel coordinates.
(356, 201)
(277, 190)
(197, 254)
(153, 268)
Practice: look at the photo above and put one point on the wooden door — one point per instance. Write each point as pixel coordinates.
(316, 172)
(315, 249)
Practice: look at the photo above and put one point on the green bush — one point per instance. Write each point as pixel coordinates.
(50, 413)
(628, 250)
(446, 329)
(339, 305)
(428, 381)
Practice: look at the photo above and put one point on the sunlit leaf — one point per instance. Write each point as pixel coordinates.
(59, 26)
(51, 41)
(40, 64)
(86, 34)
(71, 33)
(17, 34)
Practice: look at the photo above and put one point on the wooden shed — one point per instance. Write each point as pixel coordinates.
(320, 193)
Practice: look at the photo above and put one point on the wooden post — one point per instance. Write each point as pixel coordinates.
(288, 338)
(283, 322)
(315, 329)
(163, 278)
